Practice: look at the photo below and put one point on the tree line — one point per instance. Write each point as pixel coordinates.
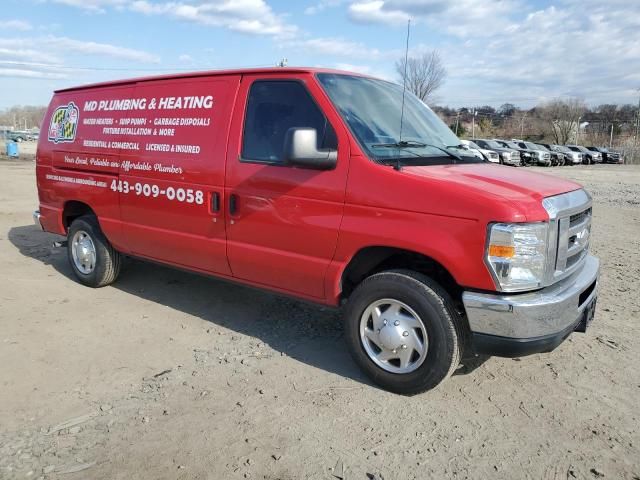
(559, 121)
(22, 117)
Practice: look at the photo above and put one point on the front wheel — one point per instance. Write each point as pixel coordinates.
(403, 331)
(93, 259)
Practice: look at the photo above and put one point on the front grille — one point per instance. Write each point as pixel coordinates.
(546, 156)
(579, 217)
(574, 233)
(569, 233)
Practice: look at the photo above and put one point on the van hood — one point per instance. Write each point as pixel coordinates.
(509, 183)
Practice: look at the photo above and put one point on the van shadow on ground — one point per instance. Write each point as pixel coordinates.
(305, 332)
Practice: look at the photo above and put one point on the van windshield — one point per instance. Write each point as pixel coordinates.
(372, 109)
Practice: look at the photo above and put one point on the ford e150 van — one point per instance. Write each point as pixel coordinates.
(329, 186)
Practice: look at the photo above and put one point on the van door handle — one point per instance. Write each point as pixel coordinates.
(215, 202)
(233, 204)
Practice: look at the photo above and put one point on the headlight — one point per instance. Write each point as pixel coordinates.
(517, 255)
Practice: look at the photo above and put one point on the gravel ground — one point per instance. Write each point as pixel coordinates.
(171, 375)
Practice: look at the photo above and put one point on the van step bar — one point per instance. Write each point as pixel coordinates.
(60, 244)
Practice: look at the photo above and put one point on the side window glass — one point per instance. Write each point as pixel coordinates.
(273, 107)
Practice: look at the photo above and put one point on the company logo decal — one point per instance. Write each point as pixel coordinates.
(64, 123)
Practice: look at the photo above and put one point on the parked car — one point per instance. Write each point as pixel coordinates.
(507, 156)
(589, 157)
(557, 159)
(477, 153)
(16, 136)
(607, 155)
(302, 182)
(570, 157)
(541, 156)
(525, 155)
(486, 154)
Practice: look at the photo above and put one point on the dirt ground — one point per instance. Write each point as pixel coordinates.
(169, 375)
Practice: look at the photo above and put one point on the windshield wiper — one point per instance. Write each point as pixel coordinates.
(404, 144)
(401, 144)
(460, 146)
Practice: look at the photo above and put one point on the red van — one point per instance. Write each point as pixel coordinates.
(329, 186)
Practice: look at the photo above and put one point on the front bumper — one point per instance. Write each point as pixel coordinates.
(36, 219)
(516, 162)
(513, 325)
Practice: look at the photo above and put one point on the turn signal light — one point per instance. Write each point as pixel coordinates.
(504, 251)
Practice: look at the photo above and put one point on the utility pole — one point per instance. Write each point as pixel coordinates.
(457, 122)
(473, 124)
(611, 137)
(578, 130)
(635, 140)
(522, 126)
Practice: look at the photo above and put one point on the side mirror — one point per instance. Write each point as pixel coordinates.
(300, 150)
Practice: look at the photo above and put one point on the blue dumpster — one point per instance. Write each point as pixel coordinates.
(12, 149)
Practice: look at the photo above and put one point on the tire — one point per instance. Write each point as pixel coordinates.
(101, 269)
(437, 315)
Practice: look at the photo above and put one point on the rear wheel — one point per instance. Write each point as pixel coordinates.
(403, 331)
(93, 259)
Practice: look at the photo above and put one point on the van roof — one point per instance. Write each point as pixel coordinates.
(209, 73)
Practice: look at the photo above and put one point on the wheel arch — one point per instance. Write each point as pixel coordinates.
(74, 209)
(373, 259)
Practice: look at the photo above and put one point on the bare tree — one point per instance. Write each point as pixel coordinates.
(562, 118)
(20, 117)
(424, 74)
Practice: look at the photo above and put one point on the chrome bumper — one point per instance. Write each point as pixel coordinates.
(36, 219)
(547, 312)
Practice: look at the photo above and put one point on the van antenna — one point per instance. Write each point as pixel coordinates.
(404, 78)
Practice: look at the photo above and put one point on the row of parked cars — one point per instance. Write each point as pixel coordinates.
(19, 136)
(522, 153)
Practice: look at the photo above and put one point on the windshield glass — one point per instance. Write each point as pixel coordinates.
(492, 144)
(541, 147)
(372, 109)
(512, 145)
(470, 144)
(532, 146)
(562, 148)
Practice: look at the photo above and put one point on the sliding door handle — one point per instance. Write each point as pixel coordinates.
(215, 202)
(233, 204)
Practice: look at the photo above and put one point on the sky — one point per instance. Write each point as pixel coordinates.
(517, 51)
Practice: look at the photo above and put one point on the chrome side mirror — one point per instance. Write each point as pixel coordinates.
(301, 150)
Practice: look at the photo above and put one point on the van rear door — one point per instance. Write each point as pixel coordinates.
(172, 171)
(283, 222)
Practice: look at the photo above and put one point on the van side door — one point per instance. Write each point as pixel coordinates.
(172, 165)
(283, 222)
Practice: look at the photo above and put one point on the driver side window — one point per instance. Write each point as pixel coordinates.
(273, 107)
